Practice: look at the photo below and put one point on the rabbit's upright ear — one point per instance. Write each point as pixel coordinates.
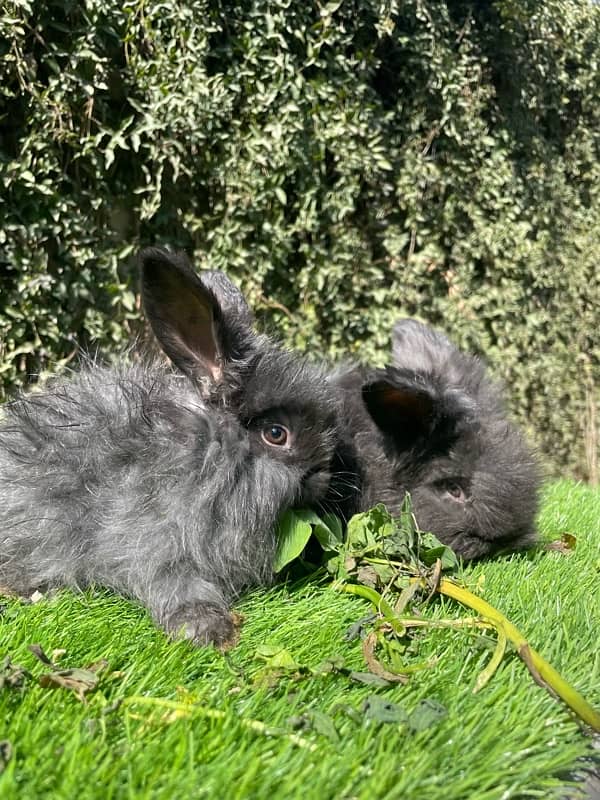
(185, 315)
(231, 301)
(410, 407)
(417, 346)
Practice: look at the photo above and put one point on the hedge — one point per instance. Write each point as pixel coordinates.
(346, 162)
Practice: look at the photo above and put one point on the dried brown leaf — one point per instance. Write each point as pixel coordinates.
(564, 545)
(368, 647)
(39, 653)
(80, 681)
(12, 676)
(5, 754)
(368, 576)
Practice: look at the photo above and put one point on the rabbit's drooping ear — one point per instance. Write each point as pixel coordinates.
(392, 407)
(185, 315)
(410, 407)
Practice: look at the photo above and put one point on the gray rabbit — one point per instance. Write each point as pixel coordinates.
(166, 486)
(434, 424)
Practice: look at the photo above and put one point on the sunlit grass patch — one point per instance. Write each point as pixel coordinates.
(167, 720)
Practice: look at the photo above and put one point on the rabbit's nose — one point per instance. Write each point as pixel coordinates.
(314, 485)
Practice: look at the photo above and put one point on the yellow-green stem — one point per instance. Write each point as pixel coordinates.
(536, 664)
(541, 671)
(193, 709)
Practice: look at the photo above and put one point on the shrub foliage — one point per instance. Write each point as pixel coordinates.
(347, 162)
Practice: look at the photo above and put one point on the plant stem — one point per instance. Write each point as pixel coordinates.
(542, 672)
(193, 709)
(374, 597)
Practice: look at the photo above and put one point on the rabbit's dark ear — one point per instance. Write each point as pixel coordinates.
(400, 409)
(231, 301)
(411, 407)
(184, 314)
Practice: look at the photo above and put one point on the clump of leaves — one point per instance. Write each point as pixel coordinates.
(276, 662)
(427, 713)
(12, 676)
(373, 541)
(76, 679)
(390, 562)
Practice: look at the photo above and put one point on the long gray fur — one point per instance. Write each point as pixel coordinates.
(159, 484)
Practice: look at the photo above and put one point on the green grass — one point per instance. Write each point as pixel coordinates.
(510, 740)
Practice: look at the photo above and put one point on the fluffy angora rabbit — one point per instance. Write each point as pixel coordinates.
(433, 424)
(166, 486)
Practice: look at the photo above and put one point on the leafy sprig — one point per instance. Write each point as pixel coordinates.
(389, 562)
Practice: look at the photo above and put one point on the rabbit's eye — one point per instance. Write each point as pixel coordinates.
(277, 435)
(455, 491)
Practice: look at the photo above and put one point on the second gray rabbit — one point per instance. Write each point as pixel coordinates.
(433, 424)
(166, 486)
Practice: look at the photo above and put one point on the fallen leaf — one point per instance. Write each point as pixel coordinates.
(39, 653)
(5, 754)
(368, 576)
(323, 724)
(317, 721)
(12, 676)
(276, 657)
(80, 681)
(368, 647)
(333, 664)
(279, 663)
(564, 545)
(380, 710)
(357, 629)
(427, 713)
(368, 678)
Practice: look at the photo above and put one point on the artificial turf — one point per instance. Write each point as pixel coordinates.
(168, 720)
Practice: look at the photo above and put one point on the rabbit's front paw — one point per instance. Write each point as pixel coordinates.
(204, 623)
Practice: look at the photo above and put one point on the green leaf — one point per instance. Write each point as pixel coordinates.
(379, 709)
(432, 549)
(407, 518)
(365, 529)
(327, 529)
(12, 676)
(329, 665)
(368, 678)
(276, 657)
(323, 724)
(292, 538)
(428, 712)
